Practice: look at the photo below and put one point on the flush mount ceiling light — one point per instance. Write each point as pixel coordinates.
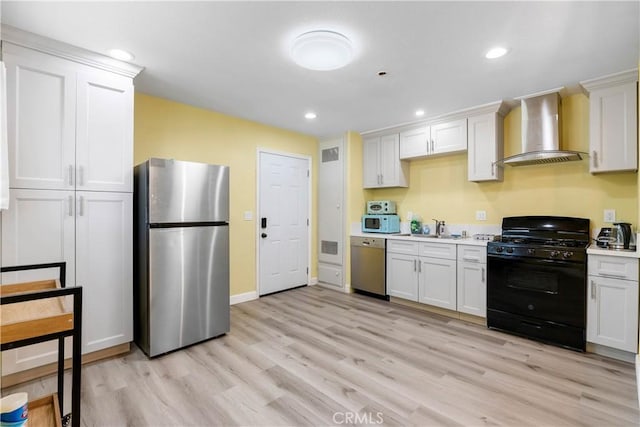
(321, 50)
(310, 115)
(419, 113)
(120, 54)
(496, 52)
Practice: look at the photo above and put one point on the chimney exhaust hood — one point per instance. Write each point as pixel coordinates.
(541, 130)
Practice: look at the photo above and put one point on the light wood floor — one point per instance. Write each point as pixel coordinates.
(313, 356)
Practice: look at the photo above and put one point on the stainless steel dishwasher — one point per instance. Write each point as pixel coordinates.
(368, 265)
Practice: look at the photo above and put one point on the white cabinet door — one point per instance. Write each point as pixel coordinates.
(414, 143)
(402, 276)
(449, 137)
(38, 228)
(612, 313)
(381, 163)
(472, 288)
(437, 282)
(370, 163)
(104, 268)
(41, 94)
(104, 142)
(390, 171)
(485, 147)
(613, 128)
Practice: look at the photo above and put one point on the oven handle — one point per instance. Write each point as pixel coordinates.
(548, 262)
(532, 290)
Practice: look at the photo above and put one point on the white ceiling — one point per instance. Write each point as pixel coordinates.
(232, 57)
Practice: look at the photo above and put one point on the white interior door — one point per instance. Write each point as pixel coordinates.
(283, 222)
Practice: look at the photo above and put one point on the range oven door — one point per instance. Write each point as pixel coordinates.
(540, 299)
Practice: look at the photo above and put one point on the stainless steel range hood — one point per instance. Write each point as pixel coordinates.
(541, 130)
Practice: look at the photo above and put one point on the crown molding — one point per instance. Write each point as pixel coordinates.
(33, 41)
(629, 76)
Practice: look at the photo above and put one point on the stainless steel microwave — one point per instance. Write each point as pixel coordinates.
(380, 223)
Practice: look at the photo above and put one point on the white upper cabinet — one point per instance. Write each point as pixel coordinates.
(70, 126)
(430, 140)
(449, 137)
(613, 126)
(415, 143)
(104, 138)
(382, 166)
(485, 144)
(41, 99)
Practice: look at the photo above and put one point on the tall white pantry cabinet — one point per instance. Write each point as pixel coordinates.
(70, 133)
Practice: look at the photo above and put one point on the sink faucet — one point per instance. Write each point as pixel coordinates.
(439, 227)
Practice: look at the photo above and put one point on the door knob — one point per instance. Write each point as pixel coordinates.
(263, 235)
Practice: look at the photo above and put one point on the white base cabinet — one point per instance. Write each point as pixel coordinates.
(613, 122)
(427, 279)
(612, 302)
(472, 280)
(92, 233)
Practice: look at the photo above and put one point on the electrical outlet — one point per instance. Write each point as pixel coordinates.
(609, 215)
(481, 215)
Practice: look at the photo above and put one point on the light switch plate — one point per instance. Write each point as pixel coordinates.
(481, 215)
(248, 215)
(609, 215)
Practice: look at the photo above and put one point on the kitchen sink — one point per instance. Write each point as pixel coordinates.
(433, 236)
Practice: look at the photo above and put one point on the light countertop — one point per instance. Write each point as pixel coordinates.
(419, 239)
(594, 250)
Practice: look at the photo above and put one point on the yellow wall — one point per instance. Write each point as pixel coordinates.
(169, 129)
(439, 186)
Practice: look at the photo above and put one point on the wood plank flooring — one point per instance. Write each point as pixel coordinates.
(316, 357)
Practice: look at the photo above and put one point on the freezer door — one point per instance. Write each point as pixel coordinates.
(187, 192)
(188, 286)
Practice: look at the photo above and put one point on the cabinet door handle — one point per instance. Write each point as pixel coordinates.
(414, 265)
(432, 146)
(70, 205)
(482, 274)
(593, 290)
(595, 159)
(81, 206)
(419, 266)
(80, 175)
(70, 175)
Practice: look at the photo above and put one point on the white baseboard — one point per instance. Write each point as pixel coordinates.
(247, 296)
(314, 281)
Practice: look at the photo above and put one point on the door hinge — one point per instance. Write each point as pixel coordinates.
(307, 173)
(307, 270)
(307, 222)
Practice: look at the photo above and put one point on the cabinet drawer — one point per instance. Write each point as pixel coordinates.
(470, 253)
(438, 250)
(402, 247)
(616, 267)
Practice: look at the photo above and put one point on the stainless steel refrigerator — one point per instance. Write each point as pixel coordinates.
(181, 292)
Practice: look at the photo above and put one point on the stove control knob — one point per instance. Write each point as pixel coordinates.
(509, 250)
(566, 255)
(554, 254)
(499, 249)
(531, 251)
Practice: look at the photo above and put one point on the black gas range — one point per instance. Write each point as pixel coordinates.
(537, 279)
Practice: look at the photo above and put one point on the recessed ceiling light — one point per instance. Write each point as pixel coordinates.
(496, 52)
(322, 50)
(419, 113)
(121, 54)
(310, 115)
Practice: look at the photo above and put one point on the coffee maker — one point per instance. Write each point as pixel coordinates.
(618, 237)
